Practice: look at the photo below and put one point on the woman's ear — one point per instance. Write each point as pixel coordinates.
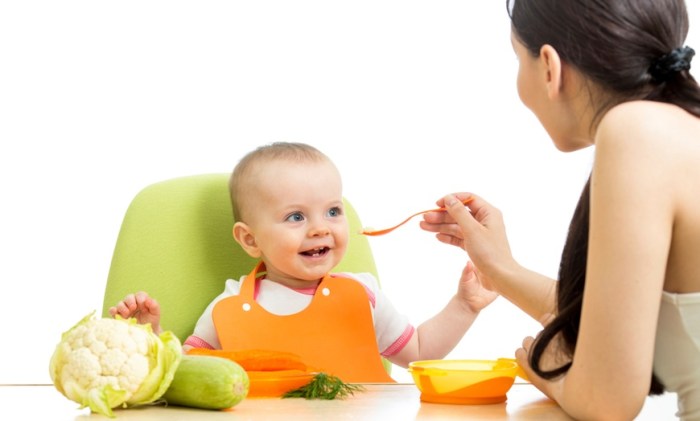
(552, 67)
(245, 237)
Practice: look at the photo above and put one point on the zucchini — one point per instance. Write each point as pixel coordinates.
(207, 382)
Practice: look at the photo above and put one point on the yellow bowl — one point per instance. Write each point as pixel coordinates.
(471, 382)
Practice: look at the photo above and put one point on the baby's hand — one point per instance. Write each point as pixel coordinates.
(140, 306)
(474, 290)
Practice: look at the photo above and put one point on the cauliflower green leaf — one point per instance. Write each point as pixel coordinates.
(103, 363)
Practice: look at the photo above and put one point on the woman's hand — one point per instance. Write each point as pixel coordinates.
(551, 388)
(140, 306)
(477, 228)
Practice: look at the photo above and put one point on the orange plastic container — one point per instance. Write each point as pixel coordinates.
(276, 383)
(470, 382)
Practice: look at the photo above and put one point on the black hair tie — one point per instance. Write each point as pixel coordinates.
(675, 61)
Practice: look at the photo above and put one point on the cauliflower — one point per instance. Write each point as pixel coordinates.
(103, 363)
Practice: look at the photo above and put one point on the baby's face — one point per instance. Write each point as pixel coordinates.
(298, 220)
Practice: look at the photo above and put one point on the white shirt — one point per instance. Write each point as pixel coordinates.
(677, 352)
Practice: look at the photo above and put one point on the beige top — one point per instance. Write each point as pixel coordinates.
(677, 353)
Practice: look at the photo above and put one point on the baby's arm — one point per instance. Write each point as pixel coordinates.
(140, 306)
(437, 336)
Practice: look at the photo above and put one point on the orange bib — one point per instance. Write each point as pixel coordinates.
(334, 334)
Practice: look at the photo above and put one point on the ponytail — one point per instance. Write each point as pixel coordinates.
(673, 84)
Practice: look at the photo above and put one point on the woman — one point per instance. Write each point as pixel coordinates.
(614, 74)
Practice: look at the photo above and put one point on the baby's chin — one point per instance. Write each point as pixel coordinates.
(315, 275)
(308, 275)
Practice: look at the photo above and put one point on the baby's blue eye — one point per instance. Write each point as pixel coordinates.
(336, 211)
(295, 217)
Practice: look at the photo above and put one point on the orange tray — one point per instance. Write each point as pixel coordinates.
(277, 383)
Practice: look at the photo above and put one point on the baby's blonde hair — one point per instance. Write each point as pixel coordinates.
(240, 187)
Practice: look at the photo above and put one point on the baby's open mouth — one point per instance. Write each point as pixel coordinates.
(320, 251)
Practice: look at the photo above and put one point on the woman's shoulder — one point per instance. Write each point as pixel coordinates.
(641, 124)
(649, 143)
(646, 115)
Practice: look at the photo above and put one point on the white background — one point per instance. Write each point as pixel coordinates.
(411, 99)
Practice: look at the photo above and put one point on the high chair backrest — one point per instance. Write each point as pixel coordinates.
(176, 243)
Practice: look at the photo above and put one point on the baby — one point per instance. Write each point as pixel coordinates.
(288, 207)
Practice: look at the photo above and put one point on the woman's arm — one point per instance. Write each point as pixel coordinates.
(631, 223)
(479, 229)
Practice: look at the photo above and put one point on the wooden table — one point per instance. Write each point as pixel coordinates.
(377, 402)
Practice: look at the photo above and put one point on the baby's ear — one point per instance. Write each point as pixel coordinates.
(245, 237)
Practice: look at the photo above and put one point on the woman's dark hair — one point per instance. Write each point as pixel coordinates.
(631, 50)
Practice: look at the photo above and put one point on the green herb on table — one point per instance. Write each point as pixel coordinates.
(324, 386)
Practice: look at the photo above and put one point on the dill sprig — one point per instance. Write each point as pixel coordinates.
(324, 386)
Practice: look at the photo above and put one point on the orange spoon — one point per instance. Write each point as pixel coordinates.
(373, 232)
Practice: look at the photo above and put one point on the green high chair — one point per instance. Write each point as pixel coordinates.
(175, 243)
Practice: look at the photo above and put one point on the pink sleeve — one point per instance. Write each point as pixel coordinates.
(400, 343)
(197, 342)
